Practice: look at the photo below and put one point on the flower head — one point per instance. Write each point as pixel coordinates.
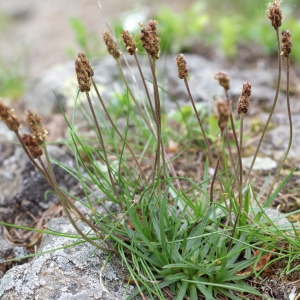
(83, 77)
(224, 80)
(182, 68)
(223, 113)
(129, 42)
(244, 100)
(39, 132)
(8, 117)
(111, 46)
(86, 64)
(149, 39)
(275, 14)
(286, 43)
(32, 145)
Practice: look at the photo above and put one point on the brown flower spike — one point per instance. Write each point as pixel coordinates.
(275, 14)
(86, 64)
(35, 124)
(223, 113)
(286, 43)
(244, 100)
(83, 78)
(129, 42)
(149, 39)
(111, 45)
(182, 68)
(32, 145)
(224, 80)
(8, 117)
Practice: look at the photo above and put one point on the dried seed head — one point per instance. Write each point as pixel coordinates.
(129, 42)
(182, 68)
(8, 117)
(86, 64)
(223, 113)
(32, 145)
(275, 14)
(83, 78)
(244, 100)
(111, 45)
(35, 124)
(286, 43)
(149, 39)
(224, 80)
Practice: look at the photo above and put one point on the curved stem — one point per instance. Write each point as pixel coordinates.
(133, 98)
(152, 62)
(290, 124)
(104, 150)
(273, 107)
(200, 123)
(117, 131)
(144, 83)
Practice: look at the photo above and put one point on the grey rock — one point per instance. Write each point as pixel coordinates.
(261, 163)
(65, 274)
(61, 80)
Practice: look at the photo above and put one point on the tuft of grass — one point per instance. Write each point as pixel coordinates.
(179, 236)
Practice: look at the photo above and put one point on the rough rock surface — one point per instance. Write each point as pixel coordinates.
(66, 274)
(62, 80)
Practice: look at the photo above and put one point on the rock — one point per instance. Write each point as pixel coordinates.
(46, 89)
(66, 274)
(61, 80)
(261, 163)
(9, 251)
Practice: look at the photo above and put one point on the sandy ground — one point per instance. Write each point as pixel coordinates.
(41, 29)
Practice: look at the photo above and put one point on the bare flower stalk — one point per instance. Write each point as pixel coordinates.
(182, 74)
(34, 146)
(275, 15)
(114, 51)
(130, 45)
(286, 50)
(150, 42)
(243, 107)
(90, 73)
(84, 84)
(224, 81)
(223, 116)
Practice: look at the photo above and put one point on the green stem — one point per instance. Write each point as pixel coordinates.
(104, 150)
(144, 83)
(273, 107)
(152, 62)
(211, 159)
(133, 98)
(290, 124)
(117, 131)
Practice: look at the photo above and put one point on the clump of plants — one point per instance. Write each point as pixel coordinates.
(179, 238)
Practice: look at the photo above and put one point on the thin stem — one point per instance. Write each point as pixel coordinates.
(290, 124)
(217, 166)
(67, 204)
(273, 107)
(214, 177)
(104, 150)
(132, 96)
(152, 62)
(45, 174)
(117, 131)
(200, 123)
(144, 83)
(235, 136)
(241, 146)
